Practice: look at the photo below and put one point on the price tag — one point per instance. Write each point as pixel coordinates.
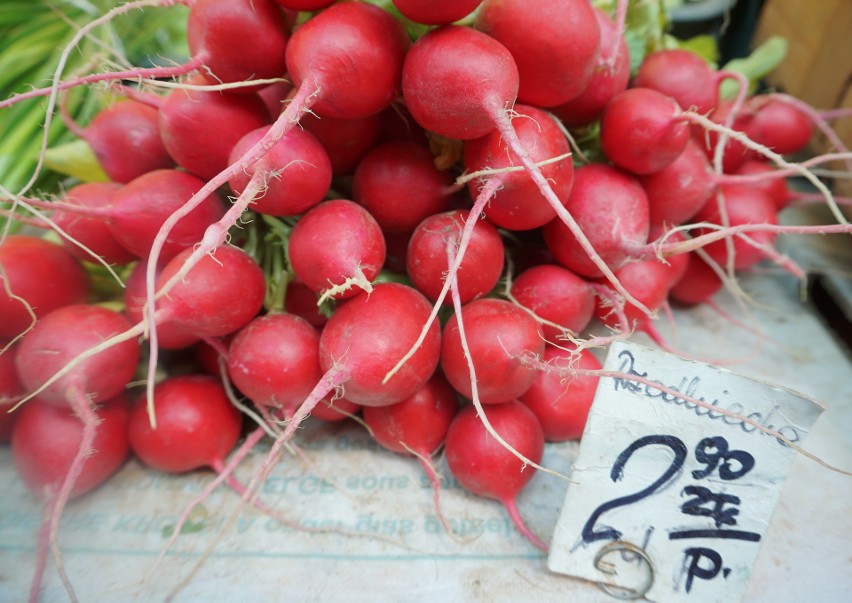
(668, 499)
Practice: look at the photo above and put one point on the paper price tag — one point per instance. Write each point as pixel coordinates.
(668, 499)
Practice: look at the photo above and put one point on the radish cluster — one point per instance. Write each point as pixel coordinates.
(398, 226)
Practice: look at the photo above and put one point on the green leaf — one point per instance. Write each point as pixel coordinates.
(762, 61)
(76, 159)
(704, 46)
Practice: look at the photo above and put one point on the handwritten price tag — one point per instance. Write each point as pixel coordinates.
(670, 499)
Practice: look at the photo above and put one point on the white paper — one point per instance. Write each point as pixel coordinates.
(666, 483)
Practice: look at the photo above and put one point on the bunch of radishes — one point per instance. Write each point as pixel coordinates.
(389, 224)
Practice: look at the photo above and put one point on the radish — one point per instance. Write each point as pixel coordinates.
(196, 425)
(92, 232)
(337, 249)
(436, 12)
(779, 125)
(560, 299)
(11, 389)
(772, 186)
(682, 75)
(125, 138)
(641, 132)
(397, 124)
(345, 140)
(610, 76)
(302, 301)
(310, 5)
(36, 277)
(612, 210)
(698, 284)
(141, 207)
(398, 183)
(566, 32)
(332, 410)
(200, 129)
(296, 171)
(735, 153)
(518, 204)
(274, 361)
(427, 261)
(417, 426)
(499, 334)
(560, 399)
(484, 466)
(218, 31)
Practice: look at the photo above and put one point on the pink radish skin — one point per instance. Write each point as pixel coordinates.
(436, 12)
(197, 426)
(698, 284)
(648, 281)
(773, 187)
(612, 210)
(484, 467)
(218, 30)
(518, 204)
(557, 295)
(682, 75)
(560, 400)
(171, 337)
(274, 361)
(610, 76)
(398, 183)
(219, 295)
(735, 153)
(345, 140)
(641, 132)
(363, 345)
(200, 129)
(498, 334)
(11, 389)
(357, 87)
(332, 411)
(678, 191)
(38, 274)
(141, 207)
(778, 125)
(675, 265)
(297, 173)
(427, 261)
(564, 31)
(742, 206)
(125, 138)
(337, 248)
(418, 423)
(93, 232)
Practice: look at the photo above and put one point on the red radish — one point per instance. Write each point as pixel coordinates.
(274, 361)
(484, 466)
(612, 210)
(275, 96)
(566, 32)
(296, 170)
(648, 281)
(362, 345)
(743, 205)
(337, 249)
(675, 265)
(400, 186)
(779, 125)
(170, 336)
(417, 426)
(397, 124)
(302, 301)
(345, 140)
(773, 187)
(125, 138)
(141, 207)
(310, 5)
(36, 276)
(518, 204)
(200, 129)
(217, 296)
(499, 334)
(682, 75)
(559, 399)
(11, 389)
(734, 153)
(397, 251)
(427, 260)
(556, 295)
(46, 438)
(678, 191)
(436, 12)
(641, 132)
(219, 31)
(93, 232)
(611, 75)
(698, 284)
(197, 426)
(351, 88)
